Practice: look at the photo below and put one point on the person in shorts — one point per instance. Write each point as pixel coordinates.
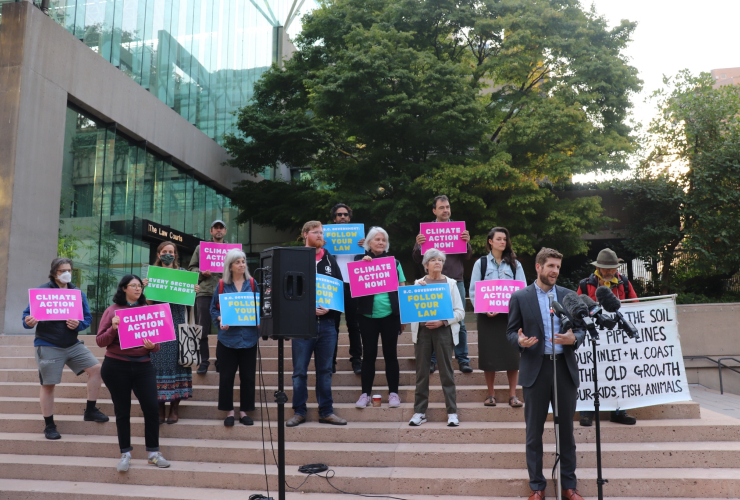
(56, 344)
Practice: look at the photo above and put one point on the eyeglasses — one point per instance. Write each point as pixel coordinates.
(342, 214)
(134, 286)
(316, 233)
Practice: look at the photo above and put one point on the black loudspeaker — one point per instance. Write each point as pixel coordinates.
(288, 308)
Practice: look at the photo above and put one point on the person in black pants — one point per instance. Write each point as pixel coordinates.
(129, 370)
(237, 345)
(342, 214)
(379, 317)
(530, 329)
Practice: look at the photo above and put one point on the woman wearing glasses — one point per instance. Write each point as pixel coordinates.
(130, 370)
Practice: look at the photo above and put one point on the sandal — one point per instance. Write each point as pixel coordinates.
(515, 403)
(489, 401)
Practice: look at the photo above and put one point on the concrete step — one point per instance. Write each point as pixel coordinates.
(340, 394)
(471, 456)
(470, 412)
(671, 483)
(339, 379)
(711, 427)
(268, 364)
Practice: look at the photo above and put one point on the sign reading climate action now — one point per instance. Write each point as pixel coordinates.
(55, 304)
(239, 309)
(425, 303)
(493, 295)
(343, 239)
(329, 293)
(212, 255)
(635, 373)
(171, 285)
(372, 277)
(148, 322)
(445, 236)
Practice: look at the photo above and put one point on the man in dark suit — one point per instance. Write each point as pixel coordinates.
(530, 329)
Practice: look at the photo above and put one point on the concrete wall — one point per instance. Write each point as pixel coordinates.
(42, 67)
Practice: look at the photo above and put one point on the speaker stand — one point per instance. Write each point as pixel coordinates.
(281, 399)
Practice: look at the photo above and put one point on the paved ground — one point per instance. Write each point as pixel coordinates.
(726, 404)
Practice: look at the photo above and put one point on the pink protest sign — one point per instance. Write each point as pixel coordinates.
(212, 255)
(445, 236)
(493, 295)
(148, 322)
(375, 276)
(55, 304)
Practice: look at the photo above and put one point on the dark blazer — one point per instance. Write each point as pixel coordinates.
(524, 313)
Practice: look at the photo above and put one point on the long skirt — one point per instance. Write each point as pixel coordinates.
(495, 353)
(174, 382)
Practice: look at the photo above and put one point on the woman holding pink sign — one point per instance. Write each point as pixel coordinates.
(379, 316)
(495, 353)
(129, 370)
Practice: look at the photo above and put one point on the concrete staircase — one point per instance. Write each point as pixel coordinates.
(674, 451)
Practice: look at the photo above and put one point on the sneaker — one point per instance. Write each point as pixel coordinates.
(452, 420)
(418, 419)
(95, 415)
(159, 461)
(465, 367)
(622, 418)
(124, 463)
(585, 421)
(51, 432)
(393, 400)
(363, 402)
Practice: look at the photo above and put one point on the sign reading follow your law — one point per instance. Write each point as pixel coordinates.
(239, 309)
(445, 236)
(171, 285)
(148, 322)
(55, 304)
(329, 293)
(493, 295)
(635, 373)
(343, 239)
(372, 277)
(425, 303)
(212, 255)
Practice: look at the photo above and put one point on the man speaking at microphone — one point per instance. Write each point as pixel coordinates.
(530, 329)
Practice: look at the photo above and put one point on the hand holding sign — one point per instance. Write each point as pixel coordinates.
(140, 324)
(445, 236)
(55, 304)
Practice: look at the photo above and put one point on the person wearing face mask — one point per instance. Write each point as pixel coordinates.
(208, 282)
(56, 344)
(174, 382)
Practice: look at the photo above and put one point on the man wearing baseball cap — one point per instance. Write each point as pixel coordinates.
(606, 274)
(208, 282)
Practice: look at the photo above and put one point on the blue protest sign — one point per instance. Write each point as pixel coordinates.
(425, 303)
(342, 239)
(239, 309)
(329, 293)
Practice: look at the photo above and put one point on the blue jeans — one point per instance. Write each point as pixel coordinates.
(322, 348)
(461, 349)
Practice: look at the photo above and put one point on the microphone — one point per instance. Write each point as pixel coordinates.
(551, 296)
(561, 313)
(579, 312)
(612, 304)
(595, 312)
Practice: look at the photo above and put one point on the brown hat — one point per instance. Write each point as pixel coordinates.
(607, 259)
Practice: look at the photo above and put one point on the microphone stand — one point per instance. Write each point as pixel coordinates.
(600, 481)
(556, 467)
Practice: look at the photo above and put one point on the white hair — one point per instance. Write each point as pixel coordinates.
(232, 256)
(371, 235)
(431, 254)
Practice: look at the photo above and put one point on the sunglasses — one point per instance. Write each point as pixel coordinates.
(342, 214)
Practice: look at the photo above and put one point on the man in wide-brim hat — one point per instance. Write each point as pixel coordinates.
(606, 274)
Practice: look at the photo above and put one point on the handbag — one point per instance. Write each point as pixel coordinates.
(188, 342)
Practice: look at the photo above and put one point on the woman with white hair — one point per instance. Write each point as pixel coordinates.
(379, 316)
(440, 336)
(237, 345)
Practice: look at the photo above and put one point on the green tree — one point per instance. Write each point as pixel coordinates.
(685, 197)
(388, 103)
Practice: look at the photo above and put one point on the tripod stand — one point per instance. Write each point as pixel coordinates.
(600, 481)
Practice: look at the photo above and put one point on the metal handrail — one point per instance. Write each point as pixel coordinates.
(720, 365)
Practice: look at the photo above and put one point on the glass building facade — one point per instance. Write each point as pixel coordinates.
(120, 201)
